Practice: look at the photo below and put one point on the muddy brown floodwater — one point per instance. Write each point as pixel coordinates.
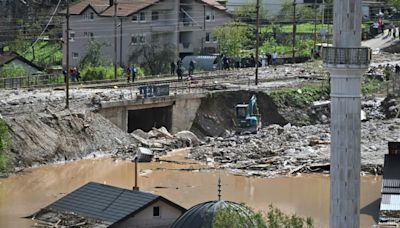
(185, 183)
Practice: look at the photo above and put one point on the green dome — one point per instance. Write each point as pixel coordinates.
(202, 215)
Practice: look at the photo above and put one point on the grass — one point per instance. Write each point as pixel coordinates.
(4, 142)
(299, 97)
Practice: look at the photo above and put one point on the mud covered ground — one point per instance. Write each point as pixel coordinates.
(42, 131)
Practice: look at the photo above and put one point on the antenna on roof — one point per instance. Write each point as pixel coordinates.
(219, 188)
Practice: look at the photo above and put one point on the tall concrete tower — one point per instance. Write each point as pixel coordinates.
(346, 61)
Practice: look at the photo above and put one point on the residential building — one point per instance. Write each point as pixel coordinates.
(187, 26)
(99, 205)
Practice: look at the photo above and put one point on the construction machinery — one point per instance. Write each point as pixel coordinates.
(248, 118)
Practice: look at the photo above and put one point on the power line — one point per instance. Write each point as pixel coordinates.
(45, 28)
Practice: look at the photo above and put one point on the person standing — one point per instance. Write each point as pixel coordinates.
(128, 74)
(172, 68)
(133, 72)
(275, 58)
(191, 67)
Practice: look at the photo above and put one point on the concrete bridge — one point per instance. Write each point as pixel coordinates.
(175, 112)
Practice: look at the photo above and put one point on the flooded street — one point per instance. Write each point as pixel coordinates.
(181, 182)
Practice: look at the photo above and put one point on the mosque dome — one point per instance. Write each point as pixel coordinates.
(202, 215)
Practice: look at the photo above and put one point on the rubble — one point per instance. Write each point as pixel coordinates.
(158, 141)
(290, 150)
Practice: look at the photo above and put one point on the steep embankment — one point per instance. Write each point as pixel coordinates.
(64, 135)
(216, 113)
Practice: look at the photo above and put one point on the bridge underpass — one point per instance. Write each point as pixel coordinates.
(146, 119)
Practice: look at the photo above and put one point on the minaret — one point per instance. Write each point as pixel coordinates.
(346, 61)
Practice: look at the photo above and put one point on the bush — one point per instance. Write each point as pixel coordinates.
(4, 141)
(12, 70)
(90, 72)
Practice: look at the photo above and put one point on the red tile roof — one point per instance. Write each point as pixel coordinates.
(78, 8)
(125, 8)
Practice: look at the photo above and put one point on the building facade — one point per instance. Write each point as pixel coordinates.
(186, 26)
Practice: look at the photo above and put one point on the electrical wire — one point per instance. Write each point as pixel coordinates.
(45, 28)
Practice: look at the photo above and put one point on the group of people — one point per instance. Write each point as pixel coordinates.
(131, 72)
(74, 75)
(178, 69)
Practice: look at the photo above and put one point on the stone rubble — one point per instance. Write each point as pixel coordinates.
(287, 150)
(159, 141)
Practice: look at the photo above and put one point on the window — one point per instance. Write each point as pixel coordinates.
(208, 37)
(156, 211)
(154, 16)
(134, 18)
(214, 38)
(134, 39)
(75, 55)
(142, 16)
(85, 34)
(88, 16)
(210, 15)
(71, 36)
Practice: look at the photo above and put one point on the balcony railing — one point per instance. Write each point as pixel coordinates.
(346, 56)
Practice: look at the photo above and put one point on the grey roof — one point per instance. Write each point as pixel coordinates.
(103, 202)
(202, 215)
(390, 189)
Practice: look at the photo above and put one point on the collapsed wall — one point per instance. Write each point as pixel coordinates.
(39, 138)
(216, 113)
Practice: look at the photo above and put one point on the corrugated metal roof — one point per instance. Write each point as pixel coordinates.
(391, 169)
(390, 202)
(103, 202)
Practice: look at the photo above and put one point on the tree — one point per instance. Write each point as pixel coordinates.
(394, 3)
(233, 217)
(155, 57)
(232, 38)
(93, 55)
(238, 217)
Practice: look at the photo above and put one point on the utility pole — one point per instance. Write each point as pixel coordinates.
(67, 60)
(315, 28)
(294, 32)
(346, 62)
(257, 37)
(115, 40)
(120, 43)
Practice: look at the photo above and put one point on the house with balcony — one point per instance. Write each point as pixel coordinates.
(187, 26)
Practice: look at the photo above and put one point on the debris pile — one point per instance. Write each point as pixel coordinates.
(158, 141)
(288, 150)
(391, 107)
(50, 218)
